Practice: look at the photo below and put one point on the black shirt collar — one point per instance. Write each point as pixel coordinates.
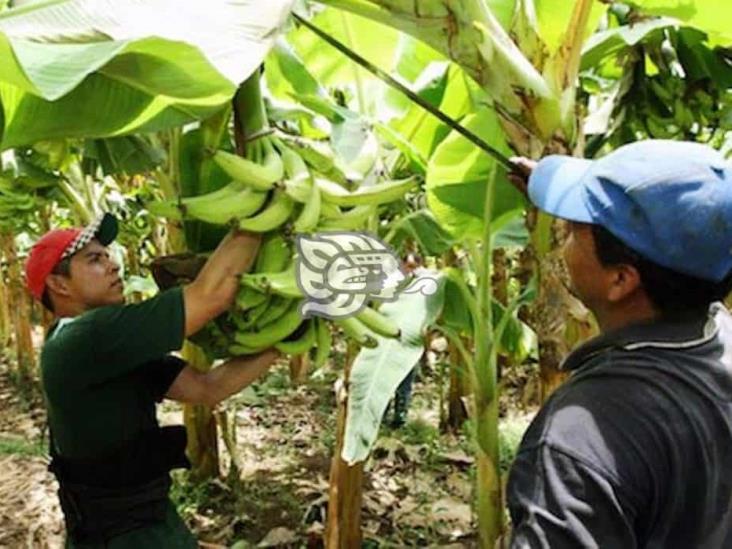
(659, 334)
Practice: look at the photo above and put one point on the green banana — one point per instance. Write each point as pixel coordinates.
(355, 218)
(330, 211)
(171, 209)
(275, 214)
(310, 213)
(165, 208)
(278, 306)
(280, 283)
(301, 344)
(294, 165)
(245, 320)
(378, 323)
(274, 254)
(375, 194)
(298, 189)
(357, 330)
(239, 350)
(258, 176)
(242, 204)
(218, 207)
(319, 156)
(248, 298)
(274, 332)
(324, 341)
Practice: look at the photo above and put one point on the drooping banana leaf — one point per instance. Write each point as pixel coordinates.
(376, 373)
(99, 68)
(611, 41)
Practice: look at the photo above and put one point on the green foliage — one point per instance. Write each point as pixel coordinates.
(21, 447)
(422, 227)
(709, 16)
(130, 154)
(64, 72)
(674, 86)
(457, 174)
(614, 40)
(376, 373)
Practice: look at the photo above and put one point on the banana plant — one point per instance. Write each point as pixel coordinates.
(532, 85)
(545, 121)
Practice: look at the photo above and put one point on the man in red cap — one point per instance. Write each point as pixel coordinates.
(104, 366)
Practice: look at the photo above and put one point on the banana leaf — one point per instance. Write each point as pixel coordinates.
(376, 373)
(82, 68)
(612, 41)
(457, 175)
(709, 16)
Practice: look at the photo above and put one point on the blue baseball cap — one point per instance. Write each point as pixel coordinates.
(670, 201)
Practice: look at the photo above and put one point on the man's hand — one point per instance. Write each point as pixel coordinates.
(521, 172)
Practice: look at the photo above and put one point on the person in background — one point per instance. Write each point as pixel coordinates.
(635, 449)
(105, 364)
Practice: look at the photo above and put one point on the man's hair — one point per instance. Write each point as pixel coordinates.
(674, 294)
(63, 268)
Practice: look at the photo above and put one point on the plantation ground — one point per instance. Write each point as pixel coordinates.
(418, 482)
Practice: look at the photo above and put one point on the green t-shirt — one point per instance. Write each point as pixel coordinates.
(104, 370)
(102, 373)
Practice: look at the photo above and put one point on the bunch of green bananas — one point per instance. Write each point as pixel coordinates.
(267, 313)
(13, 202)
(274, 186)
(283, 189)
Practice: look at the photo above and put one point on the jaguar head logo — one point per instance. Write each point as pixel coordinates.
(339, 272)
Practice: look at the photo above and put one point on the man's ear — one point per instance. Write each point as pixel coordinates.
(58, 284)
(625, 279)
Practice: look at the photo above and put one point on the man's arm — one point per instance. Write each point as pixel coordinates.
(219, 383)
(215, 288)
(558, 500)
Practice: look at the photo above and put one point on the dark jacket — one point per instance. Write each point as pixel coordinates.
(635, 449)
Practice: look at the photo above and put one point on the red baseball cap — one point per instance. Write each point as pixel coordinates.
(59, 244)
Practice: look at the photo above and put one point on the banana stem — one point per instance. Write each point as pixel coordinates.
(170, 185)
(484, 381)
(249, 112)
(75, 201)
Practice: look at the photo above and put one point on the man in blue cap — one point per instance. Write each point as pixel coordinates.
(635, 449)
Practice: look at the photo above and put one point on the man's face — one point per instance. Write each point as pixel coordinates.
(94, 277)
(588, 277)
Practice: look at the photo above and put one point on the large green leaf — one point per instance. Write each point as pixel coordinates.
(448, 90)
(611, 41)
(710, 16)
(376, 373)
(130, 154)
(377, 43)
(82, 68)
(457, 178)
(469, 33)
(422, 227)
